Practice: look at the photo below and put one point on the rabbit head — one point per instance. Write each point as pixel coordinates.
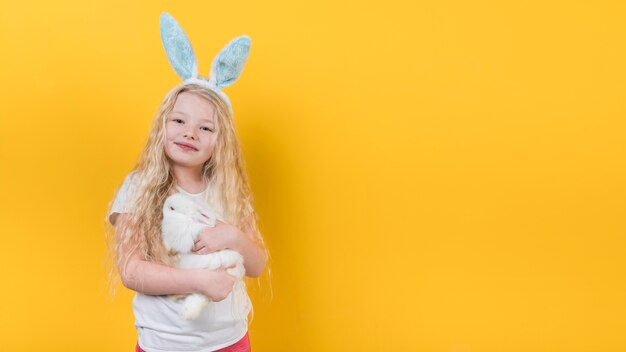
(180, 205)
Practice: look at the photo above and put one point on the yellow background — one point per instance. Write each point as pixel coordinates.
(440, 176)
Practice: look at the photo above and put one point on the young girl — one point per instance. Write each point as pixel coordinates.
(192, 148)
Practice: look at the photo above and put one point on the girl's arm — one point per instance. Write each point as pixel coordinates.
(253, 253)
(152, 278)
(226, 236)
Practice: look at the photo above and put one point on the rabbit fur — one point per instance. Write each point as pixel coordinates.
(184, 218)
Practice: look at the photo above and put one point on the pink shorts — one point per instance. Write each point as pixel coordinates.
(242, 345)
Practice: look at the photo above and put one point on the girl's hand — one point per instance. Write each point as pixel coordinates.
(222, 236)
(215, 284)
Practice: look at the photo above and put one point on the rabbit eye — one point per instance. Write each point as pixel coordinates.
(172, 208)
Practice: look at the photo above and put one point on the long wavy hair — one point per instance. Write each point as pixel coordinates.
(224, 173)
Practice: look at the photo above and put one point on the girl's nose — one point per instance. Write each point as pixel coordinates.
(190, 134)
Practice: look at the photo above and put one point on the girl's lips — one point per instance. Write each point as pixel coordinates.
(185, 147)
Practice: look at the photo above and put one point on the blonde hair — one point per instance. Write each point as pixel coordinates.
(224, 174)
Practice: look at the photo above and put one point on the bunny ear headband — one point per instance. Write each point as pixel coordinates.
(225, 68)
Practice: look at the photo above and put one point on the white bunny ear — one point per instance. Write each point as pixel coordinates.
(228, 64)
(178, 48)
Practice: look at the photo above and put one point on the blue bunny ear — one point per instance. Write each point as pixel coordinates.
(178, 48)
(228, 64)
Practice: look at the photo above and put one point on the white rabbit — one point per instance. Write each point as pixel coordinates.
(184, 218)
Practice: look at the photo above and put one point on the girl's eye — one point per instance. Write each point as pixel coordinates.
(207, 129)
(177, 120)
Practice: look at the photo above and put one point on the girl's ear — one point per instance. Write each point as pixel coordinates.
(228, 64)
(178, 48)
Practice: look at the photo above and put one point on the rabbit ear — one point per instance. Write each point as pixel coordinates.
(178, 48)
(228, 64)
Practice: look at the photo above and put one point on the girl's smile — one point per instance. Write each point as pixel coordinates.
(186, 146)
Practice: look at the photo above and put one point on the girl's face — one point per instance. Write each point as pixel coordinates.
(190, 131)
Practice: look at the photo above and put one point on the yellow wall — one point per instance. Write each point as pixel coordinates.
(446, 176)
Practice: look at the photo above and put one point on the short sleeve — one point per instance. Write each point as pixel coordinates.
(121, 204)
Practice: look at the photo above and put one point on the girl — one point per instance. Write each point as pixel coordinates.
(192, 148)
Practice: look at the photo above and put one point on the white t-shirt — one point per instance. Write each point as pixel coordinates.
(159, 326)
